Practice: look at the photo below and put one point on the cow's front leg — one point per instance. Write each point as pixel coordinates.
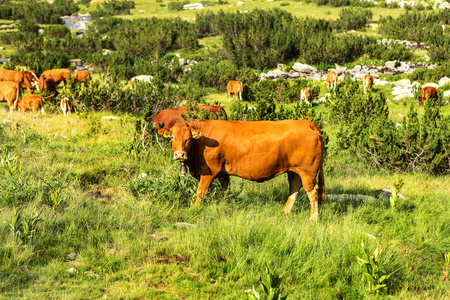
(203, 186)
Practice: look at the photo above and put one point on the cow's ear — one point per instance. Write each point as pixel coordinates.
(165, 132)
(196, 133)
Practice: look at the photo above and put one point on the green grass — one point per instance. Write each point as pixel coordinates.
(139, 247)
(152, 8)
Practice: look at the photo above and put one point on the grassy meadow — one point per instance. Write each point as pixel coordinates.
(118, 224)
(87, 214)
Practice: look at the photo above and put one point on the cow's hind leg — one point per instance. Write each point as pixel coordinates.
(295, 183)
(312, 191)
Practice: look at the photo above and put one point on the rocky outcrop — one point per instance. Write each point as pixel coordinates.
(309, 72)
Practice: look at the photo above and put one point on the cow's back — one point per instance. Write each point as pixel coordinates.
(170, 116)
(428, 92)
(257, 150)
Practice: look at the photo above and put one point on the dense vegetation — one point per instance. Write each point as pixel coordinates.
(422, 27)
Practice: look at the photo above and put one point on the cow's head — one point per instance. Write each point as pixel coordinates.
(181, 135)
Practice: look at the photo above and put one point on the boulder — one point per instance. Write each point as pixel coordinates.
(444, 5)
(382, 82)
(142, 78)
(435, 85)
(392, 64)
(193, 6)
(403, 96)
(303, 68)
(443, 81)
(404, 83)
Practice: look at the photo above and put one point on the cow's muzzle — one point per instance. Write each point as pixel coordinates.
(180, 155)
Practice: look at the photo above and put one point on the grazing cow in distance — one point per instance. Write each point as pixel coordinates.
(236, 88)
(170, 116)
(66, 106)
(80, 76)
(428, 92)
(256, 151)
(20, 77)
(57, 75)
(306, 95)
(367, 82)
(332, 78)
(32, 102)
(10, 92)
(48, 85)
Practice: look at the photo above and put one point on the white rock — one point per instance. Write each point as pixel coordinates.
(71, 270)
(435, 85)
(404, 83)
(193, 6)
(443, 81)
(142, 78)
(240, 3)
(403, 96)
(386, 194)
(444, 5)
(89, 273)
(447, 94)
(110, 118)
(303, 68)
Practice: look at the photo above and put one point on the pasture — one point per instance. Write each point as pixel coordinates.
(119, 224)
(93, 206)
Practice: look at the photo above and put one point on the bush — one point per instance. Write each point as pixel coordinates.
(353, 18)
(56, 31)
(112, 8)
(367, 132)
(176, 5)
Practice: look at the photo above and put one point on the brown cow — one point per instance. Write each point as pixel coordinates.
(236, 88)
(32, 102)
(331, 79)
(57, 75)
(20, 77)
(428, 92)
(367, 82)
(306, 95)
(80, 75)
(170, 116)
(256, 151)
(66, 106)
(10, 92)
(48, 85)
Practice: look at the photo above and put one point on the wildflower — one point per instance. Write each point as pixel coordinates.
(34, 117)
(80, 147)
(51, 215)
(3, 283)
(66, 208)
(24, 150)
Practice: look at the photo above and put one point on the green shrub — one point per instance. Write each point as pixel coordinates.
(367, 132)
(112, 8)
(176, 5)
(56, 31)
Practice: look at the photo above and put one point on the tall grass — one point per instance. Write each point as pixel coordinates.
(143, 239)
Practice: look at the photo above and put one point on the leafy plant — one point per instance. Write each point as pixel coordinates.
(373, 269)
(397, 188)
(271, 287)
(23, 228)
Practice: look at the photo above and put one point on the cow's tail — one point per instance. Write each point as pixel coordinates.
(321, 179)
(48, 96)
(18, 97)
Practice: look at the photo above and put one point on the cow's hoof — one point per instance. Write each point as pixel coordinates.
(285, 211)
(314, 217)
